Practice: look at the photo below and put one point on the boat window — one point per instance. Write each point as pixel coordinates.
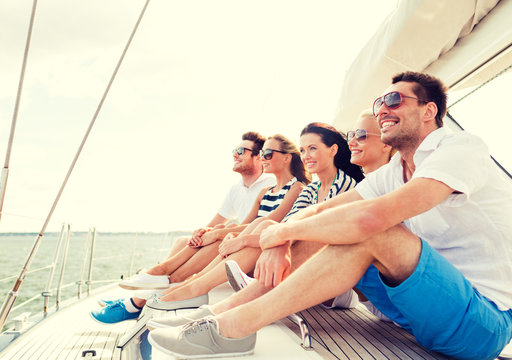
(484, 111)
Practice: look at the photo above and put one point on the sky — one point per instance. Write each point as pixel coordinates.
(197, 76)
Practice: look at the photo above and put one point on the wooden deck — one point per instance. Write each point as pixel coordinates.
(336, 334)
(358, 334)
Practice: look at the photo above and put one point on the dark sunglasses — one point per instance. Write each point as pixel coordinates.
(268, 153)
(359, 134)
(393, 100)
(240, 151)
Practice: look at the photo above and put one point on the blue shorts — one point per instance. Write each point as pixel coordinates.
(441, 309)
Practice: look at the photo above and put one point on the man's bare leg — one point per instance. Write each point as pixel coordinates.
(171, 264)
(395, 253)
(177, 245)
(301, 251)
(196, 263)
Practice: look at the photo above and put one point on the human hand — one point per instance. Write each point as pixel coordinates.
(195, 240)
(209, 237)
(273, 265)
(272, 236)
(230, 244)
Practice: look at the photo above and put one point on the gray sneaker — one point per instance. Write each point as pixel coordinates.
(199, 339)
(157, 304)
(199, 313)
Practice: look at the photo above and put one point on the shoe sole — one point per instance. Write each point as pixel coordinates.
(182, 356)
(144, 286)
(236, 284)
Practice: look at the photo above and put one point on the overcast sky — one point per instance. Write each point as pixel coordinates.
(198, 75)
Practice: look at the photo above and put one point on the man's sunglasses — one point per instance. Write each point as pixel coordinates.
(393, 100)
(268, 153)
(240, 150)
(359, 134)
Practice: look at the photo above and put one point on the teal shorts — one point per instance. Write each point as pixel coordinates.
(441, 309)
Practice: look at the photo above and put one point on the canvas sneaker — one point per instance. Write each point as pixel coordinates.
(236, 277)
(113, 314)
(179, 320)
(145, 281)
(157, 304)
(199, 339)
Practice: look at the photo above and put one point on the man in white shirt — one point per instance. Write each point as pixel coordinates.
(236, 206)
(427, 239)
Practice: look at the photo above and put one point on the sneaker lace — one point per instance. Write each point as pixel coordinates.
(198, 325)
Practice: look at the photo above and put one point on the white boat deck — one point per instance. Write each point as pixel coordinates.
(71, 331)
(336, 334)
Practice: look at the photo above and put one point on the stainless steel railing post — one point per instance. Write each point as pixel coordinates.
(48, 290)
(89, 277)
(63, 267)
(84, 261)
(133, 255)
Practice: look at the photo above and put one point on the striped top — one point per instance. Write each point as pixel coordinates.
(309, 196)
(271, 201)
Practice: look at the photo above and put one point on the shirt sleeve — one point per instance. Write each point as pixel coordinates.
(460, 162)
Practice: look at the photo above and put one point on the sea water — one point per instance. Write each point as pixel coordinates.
(116, 255)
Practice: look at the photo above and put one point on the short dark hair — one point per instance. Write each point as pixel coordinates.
(427, 87)
(257, 139)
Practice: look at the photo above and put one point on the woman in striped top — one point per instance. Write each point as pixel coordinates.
(281, 158)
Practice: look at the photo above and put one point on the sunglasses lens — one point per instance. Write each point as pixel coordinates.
(361, 134)
(350, 135)
(266, 154)
(393, 100)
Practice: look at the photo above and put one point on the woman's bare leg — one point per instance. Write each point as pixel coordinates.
(246, 259)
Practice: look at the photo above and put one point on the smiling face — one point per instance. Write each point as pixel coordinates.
(370, 153)
(401, 127)
(315, 155)
(278, 160)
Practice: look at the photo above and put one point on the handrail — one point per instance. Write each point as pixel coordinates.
(63, 266)
(84, 261)
(28, 272)
(47, 292)
(89, 277)
(133, 255)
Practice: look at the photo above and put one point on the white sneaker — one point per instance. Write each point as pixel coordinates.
(145, 281)
(236, 277)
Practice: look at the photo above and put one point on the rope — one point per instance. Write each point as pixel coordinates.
(12, 296)
(5, 170)
(481, 85)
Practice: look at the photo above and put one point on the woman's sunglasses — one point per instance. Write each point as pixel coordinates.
(393, 100)
(359, 134)
(240, 150)
(268, 153)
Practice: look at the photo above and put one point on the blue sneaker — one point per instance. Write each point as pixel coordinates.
(104, 303)
(113, 314)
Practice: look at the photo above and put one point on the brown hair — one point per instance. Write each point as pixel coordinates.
(428, 88)
(257, 139)
(296, 166)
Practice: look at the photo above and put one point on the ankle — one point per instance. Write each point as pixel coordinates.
(230, 328)
(156, 270)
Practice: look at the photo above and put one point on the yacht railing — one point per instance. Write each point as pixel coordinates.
(88, 261)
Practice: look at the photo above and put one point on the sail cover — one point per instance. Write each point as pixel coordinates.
(436, 36)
